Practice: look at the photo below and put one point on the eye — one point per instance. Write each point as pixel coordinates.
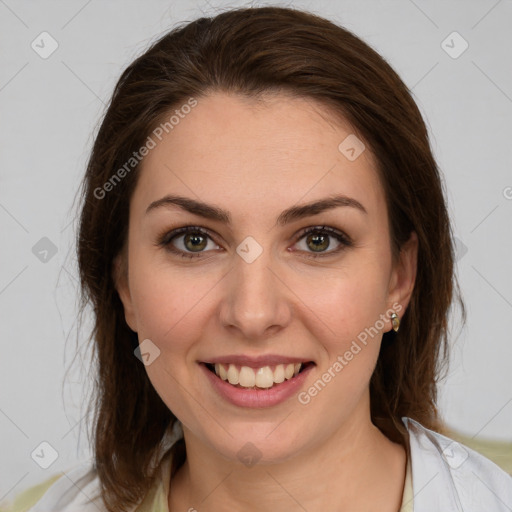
(318, 239)
(192, 241)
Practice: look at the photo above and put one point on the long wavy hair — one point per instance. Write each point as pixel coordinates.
(251, 51)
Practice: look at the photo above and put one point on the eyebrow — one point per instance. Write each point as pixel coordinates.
(292, 214)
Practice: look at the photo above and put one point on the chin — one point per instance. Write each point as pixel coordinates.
(261, 446)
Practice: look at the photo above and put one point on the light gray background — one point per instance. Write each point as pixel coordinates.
(51, 107)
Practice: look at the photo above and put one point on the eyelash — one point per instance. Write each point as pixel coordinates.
(166, 239)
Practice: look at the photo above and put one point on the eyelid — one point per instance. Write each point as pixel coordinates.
(167, 235)
(327, 229)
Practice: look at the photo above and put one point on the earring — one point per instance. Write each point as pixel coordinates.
(395, 320)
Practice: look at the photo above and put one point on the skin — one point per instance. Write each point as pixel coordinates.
(255, 160)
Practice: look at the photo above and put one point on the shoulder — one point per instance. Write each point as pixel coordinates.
(79, 488)
(76, 489)
(452, 476)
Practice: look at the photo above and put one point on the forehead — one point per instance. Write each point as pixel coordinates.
(277, 152)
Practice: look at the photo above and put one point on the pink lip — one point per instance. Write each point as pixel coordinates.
(257, 398)
(256, 362)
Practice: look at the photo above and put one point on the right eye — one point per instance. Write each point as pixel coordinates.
(192, 238)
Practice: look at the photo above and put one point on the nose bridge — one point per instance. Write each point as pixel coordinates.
(256, 301)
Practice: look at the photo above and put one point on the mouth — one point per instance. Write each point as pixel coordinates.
(264, 377)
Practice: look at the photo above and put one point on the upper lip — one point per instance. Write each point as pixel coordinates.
(256, 361)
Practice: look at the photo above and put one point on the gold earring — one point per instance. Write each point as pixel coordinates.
(395, 320)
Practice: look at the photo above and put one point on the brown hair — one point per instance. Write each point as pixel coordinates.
(249, 52)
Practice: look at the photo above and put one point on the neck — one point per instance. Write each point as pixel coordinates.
(332, 475)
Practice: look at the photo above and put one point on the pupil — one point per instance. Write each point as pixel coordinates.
(316, 238)
(195, 239)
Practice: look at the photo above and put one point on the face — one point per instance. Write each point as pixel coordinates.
(316, 288)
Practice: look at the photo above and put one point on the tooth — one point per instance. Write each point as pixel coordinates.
(246, 378)
(264, 377)
(279, 374)
(222, 373)
(233, 375)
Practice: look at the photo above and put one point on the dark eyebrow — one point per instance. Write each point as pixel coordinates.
(291, 214)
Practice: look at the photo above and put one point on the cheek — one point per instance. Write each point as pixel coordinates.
(168, 304)
(165, 309)
(350, 300)
(351, 308)
(350, 305)
(169, 301)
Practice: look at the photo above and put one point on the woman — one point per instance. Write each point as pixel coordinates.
(265, 242)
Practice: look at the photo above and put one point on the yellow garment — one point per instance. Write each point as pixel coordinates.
(30, 497)
(156, 500)
(408, 494)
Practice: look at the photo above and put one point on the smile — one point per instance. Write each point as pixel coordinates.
(264, 377)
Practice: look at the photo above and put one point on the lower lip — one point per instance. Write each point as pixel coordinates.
(257, 398)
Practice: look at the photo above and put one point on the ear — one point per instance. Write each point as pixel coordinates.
(120, 277)
(403, 276)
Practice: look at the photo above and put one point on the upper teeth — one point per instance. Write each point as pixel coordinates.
(264, 377)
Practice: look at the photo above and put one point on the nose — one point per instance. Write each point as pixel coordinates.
(256, 300)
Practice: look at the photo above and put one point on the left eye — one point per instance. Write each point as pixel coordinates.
(194, 241)
(319, 237)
